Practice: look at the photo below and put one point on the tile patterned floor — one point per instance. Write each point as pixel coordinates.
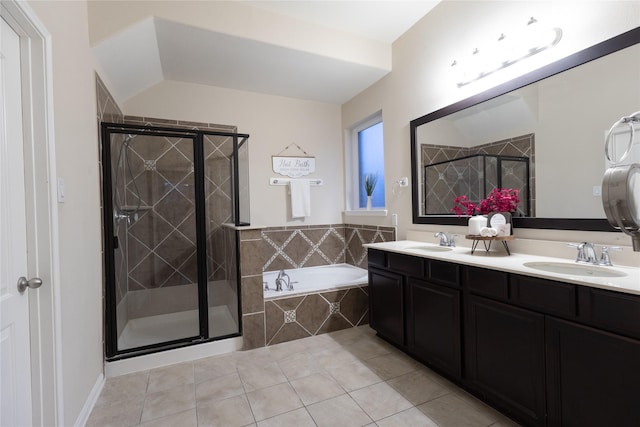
(345, 378)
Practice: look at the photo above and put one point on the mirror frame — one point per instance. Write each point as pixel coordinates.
(599, 50)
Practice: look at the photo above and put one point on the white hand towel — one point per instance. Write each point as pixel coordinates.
(488, 232)
(300, 198)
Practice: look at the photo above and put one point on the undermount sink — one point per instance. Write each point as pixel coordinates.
(428, 248)
(575, 269)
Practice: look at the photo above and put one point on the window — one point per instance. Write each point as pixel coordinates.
(365, 157)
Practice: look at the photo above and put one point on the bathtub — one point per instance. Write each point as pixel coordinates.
(315, 279)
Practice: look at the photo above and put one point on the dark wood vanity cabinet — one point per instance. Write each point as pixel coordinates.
(593, 377)
(504, 358)
(386, 305)
(415, 303)
(433, 326)
(543, 352)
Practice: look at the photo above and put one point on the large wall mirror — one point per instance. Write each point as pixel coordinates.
(543, 132)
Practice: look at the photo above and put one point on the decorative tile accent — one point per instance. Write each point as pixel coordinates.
(334, 307)
(150, 165)
(297, 317)
(320, 245)
(289, 316)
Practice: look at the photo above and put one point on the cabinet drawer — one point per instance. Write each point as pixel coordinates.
(377, 258)
(406, 264)
(487, 282)
(445, 273)
(544, 295)
(613, 311)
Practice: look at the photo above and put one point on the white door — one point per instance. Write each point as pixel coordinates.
(15, 364)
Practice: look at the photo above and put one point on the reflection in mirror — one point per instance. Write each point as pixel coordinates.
(552, 122)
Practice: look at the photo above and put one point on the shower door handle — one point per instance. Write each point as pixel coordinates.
(33, 283)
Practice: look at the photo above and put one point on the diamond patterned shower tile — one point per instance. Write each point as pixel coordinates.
(188, 227)
(185, 145)
(219, 208)
(189, 269)
(174, 166)
(150, 229)
(136, 250)
(175, 249)
(152, 272)
(149, 185)
(186, 187)
(150, 147)
(174, 207)
(218, 169)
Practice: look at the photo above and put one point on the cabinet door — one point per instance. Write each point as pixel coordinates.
(593, 377)
(434, 325)
(504, 355)
(386, 307)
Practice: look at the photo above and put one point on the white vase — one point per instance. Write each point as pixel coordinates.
(368, 203)
(476, 223)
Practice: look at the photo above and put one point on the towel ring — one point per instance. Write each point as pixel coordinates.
(634, 118)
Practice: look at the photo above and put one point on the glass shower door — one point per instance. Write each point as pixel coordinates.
(154, 229)
(222, 283)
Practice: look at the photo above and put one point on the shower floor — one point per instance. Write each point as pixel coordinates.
(172, 326)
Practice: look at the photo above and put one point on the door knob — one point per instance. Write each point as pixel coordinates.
(23, 283)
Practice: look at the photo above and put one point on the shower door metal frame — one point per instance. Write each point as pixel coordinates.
(110, 317)
(499, 158)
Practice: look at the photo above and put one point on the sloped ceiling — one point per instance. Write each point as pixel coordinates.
(156, 48)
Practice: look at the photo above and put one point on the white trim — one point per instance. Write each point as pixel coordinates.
(364, 212)
(90, 403)
(40, 167)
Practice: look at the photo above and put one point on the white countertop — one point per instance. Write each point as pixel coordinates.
(499, 260)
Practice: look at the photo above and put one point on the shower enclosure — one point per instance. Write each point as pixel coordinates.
(475, 176)
(171, 199)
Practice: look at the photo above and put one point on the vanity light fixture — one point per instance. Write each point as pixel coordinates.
(506, 51)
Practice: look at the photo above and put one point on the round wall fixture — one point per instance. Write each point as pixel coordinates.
(621, 200)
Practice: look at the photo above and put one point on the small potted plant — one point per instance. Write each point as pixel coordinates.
(370, 181)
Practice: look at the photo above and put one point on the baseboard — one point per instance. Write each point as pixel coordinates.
(83, 417)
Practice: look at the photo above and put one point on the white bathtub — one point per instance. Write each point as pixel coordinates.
(315, 279)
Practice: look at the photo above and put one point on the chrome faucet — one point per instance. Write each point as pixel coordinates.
(587, 253)
(446, 239)
(283, 279)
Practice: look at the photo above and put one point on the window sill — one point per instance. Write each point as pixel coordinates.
(366, 212)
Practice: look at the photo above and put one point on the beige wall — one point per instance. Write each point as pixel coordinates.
(421, 81)
(273, 122)
(76, 145)
(417, 86)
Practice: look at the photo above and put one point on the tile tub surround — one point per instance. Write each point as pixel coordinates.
(276, 248)
(298, 317)
(348, 377)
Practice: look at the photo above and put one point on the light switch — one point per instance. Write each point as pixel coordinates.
(61, 196)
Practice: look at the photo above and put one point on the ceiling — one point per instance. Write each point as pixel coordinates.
(156, 48)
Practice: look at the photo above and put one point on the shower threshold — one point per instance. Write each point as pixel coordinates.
(173, 326)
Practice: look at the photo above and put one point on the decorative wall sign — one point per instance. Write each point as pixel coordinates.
(293, 167)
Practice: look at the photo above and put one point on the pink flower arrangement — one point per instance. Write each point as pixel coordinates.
(499, 200)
